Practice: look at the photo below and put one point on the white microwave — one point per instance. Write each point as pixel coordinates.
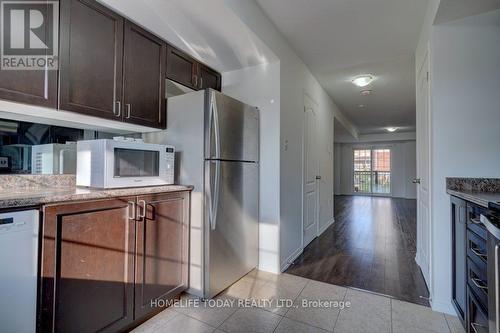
(107, 163)
(53, 159)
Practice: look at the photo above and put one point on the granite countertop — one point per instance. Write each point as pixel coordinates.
(41, 195)
(480, 191)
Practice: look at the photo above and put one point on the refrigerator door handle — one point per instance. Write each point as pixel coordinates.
(214, 197)
(215, 114)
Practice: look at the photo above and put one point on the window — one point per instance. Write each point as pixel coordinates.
(372, 171)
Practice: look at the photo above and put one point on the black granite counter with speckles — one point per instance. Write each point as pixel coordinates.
(480, 191)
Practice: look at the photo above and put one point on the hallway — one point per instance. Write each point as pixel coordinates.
(371, 246)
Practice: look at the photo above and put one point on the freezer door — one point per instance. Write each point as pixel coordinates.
(231, 129)
(231, 223)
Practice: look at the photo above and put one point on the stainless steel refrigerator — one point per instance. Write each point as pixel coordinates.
(217, 142)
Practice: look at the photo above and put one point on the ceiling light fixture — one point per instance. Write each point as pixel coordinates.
(392, 129)
(366, 92)
(362, 80)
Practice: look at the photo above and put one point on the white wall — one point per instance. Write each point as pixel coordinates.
(260, 86)
(403, 167)
(465, 123)
(296, 80)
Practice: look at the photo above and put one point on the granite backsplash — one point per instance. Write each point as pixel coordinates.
(489, 185)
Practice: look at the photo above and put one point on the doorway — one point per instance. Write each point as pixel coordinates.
(372, 171)
(310, 201)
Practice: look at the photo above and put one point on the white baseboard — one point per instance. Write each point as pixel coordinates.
(326, 226)
(290, 259)
(444, 307)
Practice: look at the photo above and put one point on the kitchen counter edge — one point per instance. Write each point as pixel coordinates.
(479, 198)
(48, 196)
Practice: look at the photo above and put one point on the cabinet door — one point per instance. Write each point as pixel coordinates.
(459, 248)
(209, 78)
(87, 266)
(38, 87)
(144, 77)
(91, 59)
(181, 68)
(162, 249)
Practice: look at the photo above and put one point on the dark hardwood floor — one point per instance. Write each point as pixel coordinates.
(371, 246)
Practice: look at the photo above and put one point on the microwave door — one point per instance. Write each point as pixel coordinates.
(232, 129)
(136, 163)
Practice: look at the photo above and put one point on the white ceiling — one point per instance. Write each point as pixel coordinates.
(339, 39)
(450, 10)
(207, 30)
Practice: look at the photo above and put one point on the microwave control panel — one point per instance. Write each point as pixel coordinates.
(170, 156)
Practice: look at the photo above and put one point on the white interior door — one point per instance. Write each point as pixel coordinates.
(311, 172)
(423, 173)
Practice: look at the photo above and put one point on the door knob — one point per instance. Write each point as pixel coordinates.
(318, 177)
(416, 181)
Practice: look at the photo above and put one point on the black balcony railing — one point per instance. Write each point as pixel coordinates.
(372, 181)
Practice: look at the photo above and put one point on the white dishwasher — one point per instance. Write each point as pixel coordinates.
(18, 271)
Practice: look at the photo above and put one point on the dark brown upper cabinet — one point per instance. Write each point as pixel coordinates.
(185, 70)
(110, 68)
(91, 54)
(143, 77)
(37, 87)
(209, 78)
(181, 68)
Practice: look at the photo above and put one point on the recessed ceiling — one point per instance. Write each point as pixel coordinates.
(340, 39)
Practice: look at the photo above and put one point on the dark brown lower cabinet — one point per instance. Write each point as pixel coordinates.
(162, 250)
(102, 263)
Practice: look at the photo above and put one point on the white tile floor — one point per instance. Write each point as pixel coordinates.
(367, 312)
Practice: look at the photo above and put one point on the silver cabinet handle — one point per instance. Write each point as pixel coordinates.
(478, 253)
(128, 110)
(318, 177)
(479, 283)
(132, 215)
(119, 109)
(201, 82)
(416, 181)
(474, 325)
(476, 220)
(142, 209)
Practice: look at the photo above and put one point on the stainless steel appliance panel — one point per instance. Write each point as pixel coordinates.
(493, 272)
(231, 222)
(231, 129)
